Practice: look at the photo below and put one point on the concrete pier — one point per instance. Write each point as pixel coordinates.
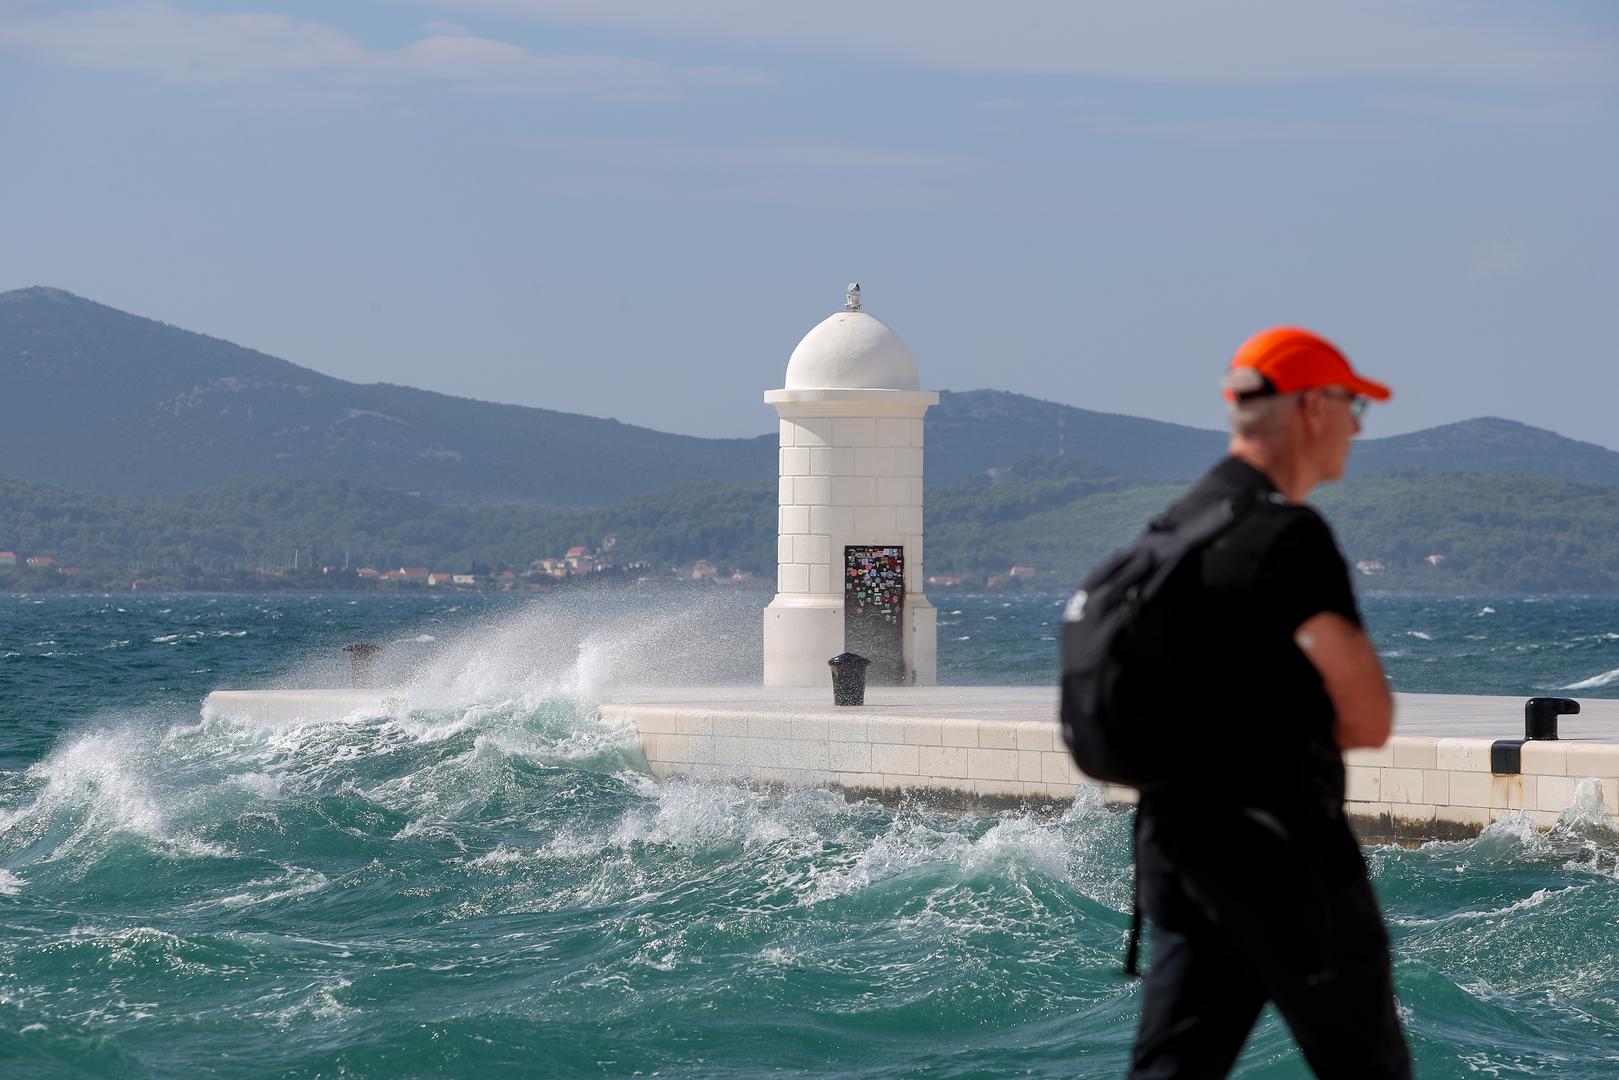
(999, 745)
(1433, 779)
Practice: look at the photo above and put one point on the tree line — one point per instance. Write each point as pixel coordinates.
(1491, 533)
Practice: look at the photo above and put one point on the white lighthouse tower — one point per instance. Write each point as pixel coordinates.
(849, 540)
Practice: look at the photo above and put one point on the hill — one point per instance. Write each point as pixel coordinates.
(974, 430)
(1488, 444)
(1506, 533)
(98, 400)
(1502, 533)
(332, 522)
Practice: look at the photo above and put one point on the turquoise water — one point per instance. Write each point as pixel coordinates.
(492, 883)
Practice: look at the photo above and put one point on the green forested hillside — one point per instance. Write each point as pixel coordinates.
(261, 523)
(1509, 533)
(1495, 533)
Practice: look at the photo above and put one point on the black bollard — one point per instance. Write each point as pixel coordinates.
(848, 678)
(1540, 716)
(362, 658)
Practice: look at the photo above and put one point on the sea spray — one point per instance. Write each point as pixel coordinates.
(485, 880)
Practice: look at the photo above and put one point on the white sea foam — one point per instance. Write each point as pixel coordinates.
(1533, 900)
(320, 1004)
(1605, 679)
(102, 781)
(1419, 635)
(501, 855)
(1012, 846)
(293, 883)
(264, 785)
(10, 884)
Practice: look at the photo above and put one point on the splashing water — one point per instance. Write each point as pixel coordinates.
(486, 879)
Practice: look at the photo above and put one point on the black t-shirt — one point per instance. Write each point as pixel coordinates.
(1261, 703)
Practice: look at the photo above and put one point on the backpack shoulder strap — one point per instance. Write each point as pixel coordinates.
(1172, 537)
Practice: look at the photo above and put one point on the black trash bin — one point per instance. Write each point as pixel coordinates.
(362, 659)
(848, 678)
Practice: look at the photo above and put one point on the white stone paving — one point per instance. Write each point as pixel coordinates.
(1436, 715)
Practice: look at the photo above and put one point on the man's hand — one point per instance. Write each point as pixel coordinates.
(1353, 677)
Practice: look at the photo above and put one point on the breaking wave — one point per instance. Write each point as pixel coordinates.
(1607, 678)
(481, 878)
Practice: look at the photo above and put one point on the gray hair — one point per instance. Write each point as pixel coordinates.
(1260, 417)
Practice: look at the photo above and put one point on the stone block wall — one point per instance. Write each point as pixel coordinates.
(847, 480)
(1418, 786)
(1414, 788)
(996, 759)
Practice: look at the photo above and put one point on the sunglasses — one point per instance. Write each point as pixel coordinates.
(1357, 404)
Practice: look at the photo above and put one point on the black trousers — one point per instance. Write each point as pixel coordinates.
(1246, 906)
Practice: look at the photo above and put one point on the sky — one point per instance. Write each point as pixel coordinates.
(635, 208)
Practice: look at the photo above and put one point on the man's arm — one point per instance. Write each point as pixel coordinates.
(1353, 677)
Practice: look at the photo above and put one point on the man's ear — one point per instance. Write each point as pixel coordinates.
(1311, 408)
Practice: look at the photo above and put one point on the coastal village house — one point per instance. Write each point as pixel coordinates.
(578, 560)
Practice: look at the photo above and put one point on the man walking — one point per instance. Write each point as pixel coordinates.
(1253, 885)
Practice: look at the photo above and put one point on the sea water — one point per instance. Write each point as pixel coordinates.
(489, 882)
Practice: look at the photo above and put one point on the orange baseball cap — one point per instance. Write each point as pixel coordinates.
(1287, 359)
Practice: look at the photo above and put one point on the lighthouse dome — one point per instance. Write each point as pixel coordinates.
(851, 350)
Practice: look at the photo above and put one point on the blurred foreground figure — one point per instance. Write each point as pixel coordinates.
(1248, 874)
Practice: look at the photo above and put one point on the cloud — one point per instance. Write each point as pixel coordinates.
(784, 172)
(1236, 41)
(166, 42)
(1495, 261)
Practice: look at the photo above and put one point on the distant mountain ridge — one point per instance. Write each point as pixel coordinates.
(96, 399)
(1488, 444)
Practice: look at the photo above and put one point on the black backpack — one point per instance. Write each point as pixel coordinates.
(1119, 717)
